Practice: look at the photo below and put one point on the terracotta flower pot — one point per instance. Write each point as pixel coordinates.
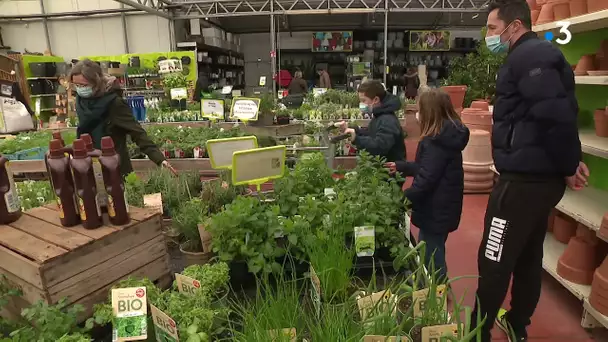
(578, 261)
(602, 52)
(599, 288)
(600, 118)
(532, 4)
(479, 177)
(586, 234)
(480, 104)
(476, 168)
(578, 7)
(561, 10)
(551, 220)
(604, 226)
(478, 186)
(457, 93)
(596, 5)
(586, 63)
(478, 150)
(534, 15)
(545, 15)
(193, 258)
(563, 228)
(477, 119)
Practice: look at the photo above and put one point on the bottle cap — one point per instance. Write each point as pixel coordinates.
(80, 148)
(88, 141)
(55, 147)
(56, 135)
(107, 146)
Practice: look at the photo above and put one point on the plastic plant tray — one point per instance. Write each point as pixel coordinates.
(36, 153)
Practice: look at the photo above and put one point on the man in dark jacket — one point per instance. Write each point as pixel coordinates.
(384, 135)
(537, 152)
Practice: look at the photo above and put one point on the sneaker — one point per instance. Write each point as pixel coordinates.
(505, 326)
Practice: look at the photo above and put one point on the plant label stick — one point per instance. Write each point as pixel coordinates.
(365, 241)
(315, 291)
(187, 285)
(439, 333)
(130, 309)
(281, 334)
(420, 298)
(165, 327)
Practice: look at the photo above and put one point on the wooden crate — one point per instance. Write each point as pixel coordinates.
(49, 262)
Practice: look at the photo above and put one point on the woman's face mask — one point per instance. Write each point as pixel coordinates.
(495, 45)
(84, 91)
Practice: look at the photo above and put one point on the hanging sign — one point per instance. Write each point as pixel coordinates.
(179, 93)
(212, 109)
(258, 165)
(245, 109)
(169, 66)
(221, 150)
(165, 327)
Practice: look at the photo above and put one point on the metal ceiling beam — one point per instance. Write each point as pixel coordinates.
(156, 7)
(197, 9)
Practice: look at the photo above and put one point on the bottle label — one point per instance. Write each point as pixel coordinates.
(101, 196)
(111, 210)
(60, 207)
(83, 214)
(126, 202)
(11, 198)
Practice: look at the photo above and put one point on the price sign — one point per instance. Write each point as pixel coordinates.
(262, 81)
(258, 165)
(165, 327)
(245, 109)
(420, 298)
(179, 93)
(187, 285)
(221, 150)
(154, 201)
(129, 306)
(439, 333)
(212, 109)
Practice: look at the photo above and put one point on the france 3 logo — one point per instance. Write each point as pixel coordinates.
(564, 37)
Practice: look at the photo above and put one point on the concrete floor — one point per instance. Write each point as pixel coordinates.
(558, 315)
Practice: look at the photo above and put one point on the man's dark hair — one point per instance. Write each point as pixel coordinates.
(372, 88)
(510, 10)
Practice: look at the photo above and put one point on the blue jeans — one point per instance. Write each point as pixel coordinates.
(434, 257)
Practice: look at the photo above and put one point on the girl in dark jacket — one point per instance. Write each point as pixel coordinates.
(437, 191)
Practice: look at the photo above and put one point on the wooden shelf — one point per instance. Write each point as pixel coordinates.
(582, 23)
(553, 249)
(593, 80)
(593, 145)
(586, 206)
(601, 319)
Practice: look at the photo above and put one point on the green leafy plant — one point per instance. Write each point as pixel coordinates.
(186, 220)
(213, 278)
(175, 80)
(135, 189)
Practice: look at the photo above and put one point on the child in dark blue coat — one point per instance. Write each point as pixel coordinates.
(437, 191)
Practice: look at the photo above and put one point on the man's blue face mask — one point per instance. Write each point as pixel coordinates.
(495, 45)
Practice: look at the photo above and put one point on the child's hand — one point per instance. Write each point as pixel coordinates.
(343, 125)
(352, 133)
(391, 166)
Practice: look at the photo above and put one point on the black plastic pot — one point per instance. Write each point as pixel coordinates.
(186, 60)
(283, 120)
(115, 65)
(50, 86)
(240, 277)
(38, 69)
(36, 87)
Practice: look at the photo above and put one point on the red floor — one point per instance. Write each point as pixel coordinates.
(558, 314)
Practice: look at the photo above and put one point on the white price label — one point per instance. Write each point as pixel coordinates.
(245, 109)
(212, 109)
(179, 93)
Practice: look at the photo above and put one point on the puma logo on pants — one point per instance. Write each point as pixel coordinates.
(495, 239)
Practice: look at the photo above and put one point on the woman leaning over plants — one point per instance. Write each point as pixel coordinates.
(102, 111)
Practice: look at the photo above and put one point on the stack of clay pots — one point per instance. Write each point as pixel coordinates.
(599, 287)
(596, 5)
(478, 116)
(564, 227)
(546, 11)
(477, 160)
(582, 256)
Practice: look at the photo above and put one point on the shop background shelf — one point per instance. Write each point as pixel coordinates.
(553, 249)
(581, 23)
(594, 80)
(592, 144)
(586, 206)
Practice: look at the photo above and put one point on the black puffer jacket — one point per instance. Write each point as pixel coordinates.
(384, 135)
(535, 113)
(437, 191)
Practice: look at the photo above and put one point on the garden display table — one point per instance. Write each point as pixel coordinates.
(48, 262)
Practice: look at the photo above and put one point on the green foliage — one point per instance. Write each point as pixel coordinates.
(135, 189)
(187, 218)
(175, 80)
(212, 277)
(477, 71)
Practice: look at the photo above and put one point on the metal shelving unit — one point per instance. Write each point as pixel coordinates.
(589, 205)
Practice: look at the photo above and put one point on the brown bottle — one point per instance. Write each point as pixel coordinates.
(102, 196)
(118, 207)
(66, 149)
(58, 165)
(10, 206)
(84, 183)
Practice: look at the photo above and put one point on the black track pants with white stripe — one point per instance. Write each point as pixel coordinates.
(512, 245)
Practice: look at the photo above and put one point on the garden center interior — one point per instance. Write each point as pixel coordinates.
(214, 234)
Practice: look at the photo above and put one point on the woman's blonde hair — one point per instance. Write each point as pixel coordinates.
(93, 73)
(298, 74)
(435, 107)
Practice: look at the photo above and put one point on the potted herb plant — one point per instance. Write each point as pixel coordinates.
(186, 221)
(283, 117)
